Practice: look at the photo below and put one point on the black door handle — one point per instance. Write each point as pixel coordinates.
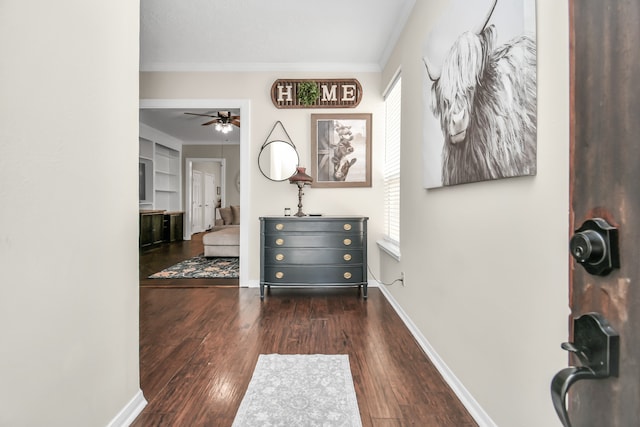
(560, 385)
(596, 346)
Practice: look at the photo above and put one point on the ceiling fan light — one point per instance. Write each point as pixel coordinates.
(219, 127)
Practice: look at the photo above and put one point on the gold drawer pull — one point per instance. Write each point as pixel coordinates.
(347, 257)
(279, 257)
(279, 242)
(347, 275)
(346, 242)
(279, 227)
(279, 275)
(347, 227)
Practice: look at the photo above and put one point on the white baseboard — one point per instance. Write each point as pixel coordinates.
(250, 283)
(474, 408)
(128, 414)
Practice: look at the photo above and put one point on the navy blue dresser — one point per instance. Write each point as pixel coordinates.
(313, 251)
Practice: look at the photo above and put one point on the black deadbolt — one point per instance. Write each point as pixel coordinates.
(595, 247)
(588, 246)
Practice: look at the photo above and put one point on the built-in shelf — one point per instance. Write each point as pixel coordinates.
(161, 180)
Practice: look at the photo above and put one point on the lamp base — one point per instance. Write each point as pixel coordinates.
(300, 193)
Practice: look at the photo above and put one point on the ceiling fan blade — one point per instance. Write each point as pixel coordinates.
(204, 115)
(235, 122)
(211, 122)
(235, 117)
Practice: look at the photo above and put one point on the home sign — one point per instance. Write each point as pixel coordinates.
(310, 93)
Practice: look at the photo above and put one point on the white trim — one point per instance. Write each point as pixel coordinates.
(474, 408)
(390, 248)
(245, 159)
(156, 136)
(261, 66)
(209, 142)
(130, 412)
(392, 81)
(251, 283)
(403, 17)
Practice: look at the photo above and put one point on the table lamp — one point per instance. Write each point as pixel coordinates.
(300, 178)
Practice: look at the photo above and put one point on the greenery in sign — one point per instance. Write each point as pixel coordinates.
(308, 92)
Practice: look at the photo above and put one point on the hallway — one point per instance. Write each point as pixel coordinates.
(198, 348)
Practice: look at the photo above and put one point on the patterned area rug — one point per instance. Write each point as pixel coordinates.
(300, 390)
(201, 268)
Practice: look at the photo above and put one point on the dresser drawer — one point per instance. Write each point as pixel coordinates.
(306, 240)
(300, 256)
(313, 275)
(310, 226)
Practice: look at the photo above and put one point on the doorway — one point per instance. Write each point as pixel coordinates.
(206, 184)
(245, 168)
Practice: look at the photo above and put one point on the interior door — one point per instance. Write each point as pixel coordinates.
(196, 202)
(605, 176)
(209, 199)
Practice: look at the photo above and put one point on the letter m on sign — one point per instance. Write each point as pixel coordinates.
(329, 94)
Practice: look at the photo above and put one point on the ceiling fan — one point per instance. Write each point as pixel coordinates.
(221, 118)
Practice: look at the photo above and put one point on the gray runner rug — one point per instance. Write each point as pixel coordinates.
(300, 390)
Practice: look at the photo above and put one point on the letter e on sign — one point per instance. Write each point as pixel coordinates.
(348, 92)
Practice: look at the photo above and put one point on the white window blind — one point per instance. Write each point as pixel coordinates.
(392, 162)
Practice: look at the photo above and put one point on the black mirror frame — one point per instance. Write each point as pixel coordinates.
(264, 146)
(269, 141)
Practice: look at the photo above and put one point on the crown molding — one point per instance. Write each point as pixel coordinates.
(403, 17)
(259, 66)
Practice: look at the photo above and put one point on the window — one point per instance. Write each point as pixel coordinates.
(392, 169)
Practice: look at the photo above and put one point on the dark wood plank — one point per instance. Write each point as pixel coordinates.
(605, 101)
(156, 258)
(199, 346)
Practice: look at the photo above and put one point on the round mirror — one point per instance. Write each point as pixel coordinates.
(278, 160)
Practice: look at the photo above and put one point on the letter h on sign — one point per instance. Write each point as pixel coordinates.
(287, 93)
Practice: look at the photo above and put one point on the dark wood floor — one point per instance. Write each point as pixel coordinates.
(157, 258)
(199, 345)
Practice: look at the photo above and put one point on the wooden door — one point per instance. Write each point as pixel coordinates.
(196, 202)
(605, 181)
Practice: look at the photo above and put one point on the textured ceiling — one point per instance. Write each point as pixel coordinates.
(234, 35)
(261, 35)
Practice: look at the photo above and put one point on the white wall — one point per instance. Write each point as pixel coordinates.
(268, 197)
(68, 211)
(486, 264)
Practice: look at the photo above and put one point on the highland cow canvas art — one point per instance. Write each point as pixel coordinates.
(479, 93)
